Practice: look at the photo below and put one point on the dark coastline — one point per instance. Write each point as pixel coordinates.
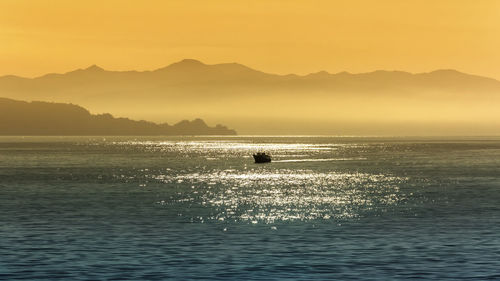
(60, 119)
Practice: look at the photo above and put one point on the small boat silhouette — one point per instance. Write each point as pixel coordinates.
(262, 157)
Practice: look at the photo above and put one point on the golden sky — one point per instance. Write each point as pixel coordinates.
(287, 36)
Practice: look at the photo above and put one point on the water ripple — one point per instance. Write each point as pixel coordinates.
(281, 195)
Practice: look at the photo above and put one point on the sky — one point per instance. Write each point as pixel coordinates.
(287, 36)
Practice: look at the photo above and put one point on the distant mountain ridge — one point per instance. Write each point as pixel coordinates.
(44, 118)
(196, 66)
(192, 71)
(257, 102)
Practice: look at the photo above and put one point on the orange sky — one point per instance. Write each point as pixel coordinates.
(285, 36)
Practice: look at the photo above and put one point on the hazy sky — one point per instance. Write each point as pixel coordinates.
(40, 36)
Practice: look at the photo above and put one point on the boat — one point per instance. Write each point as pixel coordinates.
(262, 157)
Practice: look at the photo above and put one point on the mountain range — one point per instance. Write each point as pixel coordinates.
(379, 102)
(46, 118)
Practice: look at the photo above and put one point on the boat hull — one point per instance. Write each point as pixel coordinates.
(262, 158)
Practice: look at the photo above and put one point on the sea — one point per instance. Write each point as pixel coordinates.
(199, 208)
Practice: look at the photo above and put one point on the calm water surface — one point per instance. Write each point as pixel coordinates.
(156, 208)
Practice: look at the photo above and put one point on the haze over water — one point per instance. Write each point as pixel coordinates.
(154, 208)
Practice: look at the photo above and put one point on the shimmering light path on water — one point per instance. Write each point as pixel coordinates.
(198, 208)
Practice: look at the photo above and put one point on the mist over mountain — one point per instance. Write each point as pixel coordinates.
(45, 118)
(379, 102)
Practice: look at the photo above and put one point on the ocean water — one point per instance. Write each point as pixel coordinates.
(157, 208)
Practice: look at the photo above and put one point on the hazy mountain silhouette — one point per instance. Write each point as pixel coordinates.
(44, 118)
(259, 102)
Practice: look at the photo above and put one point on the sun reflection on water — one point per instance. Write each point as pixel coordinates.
(281, 195)
(226, 146)
(268, 193)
